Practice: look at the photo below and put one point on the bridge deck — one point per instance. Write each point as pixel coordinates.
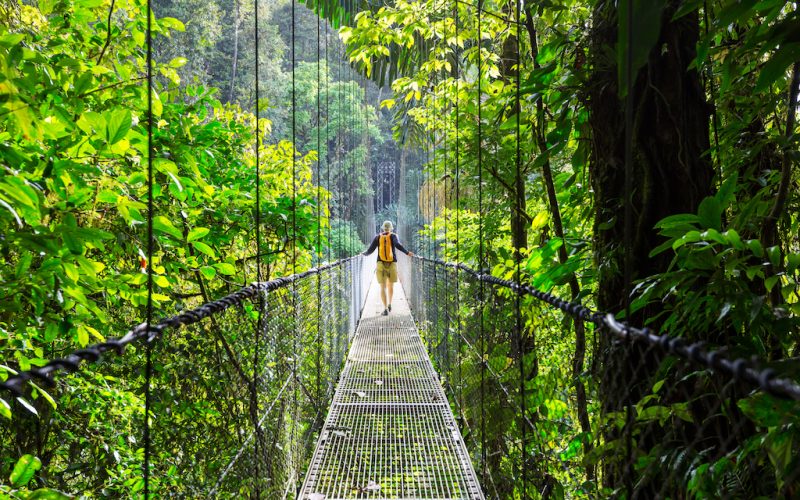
(390, 432)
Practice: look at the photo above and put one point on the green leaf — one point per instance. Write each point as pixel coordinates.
(171, 23)
(539, 221)
(769, 411)
(734, 239)
(774, 255)
(770, 282)
(792, 262)
(83, 335)
(205, 249)
(660, 413)
(45, 395)
(14, 213)
(225, 268)
(197, 233)
(117, 125)
(107, 196)
(715, 236)
(48, 494)
(178, 62)
(208, 272)
(710, 213)
(71, 240)
(10, 40)
(756, 248)
(777, 65)
(678, 220)
(5, 409)
(161, 281)
(161, 223)
(688, 7)
(24, 470)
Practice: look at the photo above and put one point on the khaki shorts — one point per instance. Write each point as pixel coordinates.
(386, 270)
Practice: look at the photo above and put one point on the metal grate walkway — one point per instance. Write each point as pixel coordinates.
(390, 432)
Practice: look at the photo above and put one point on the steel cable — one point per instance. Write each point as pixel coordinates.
(739, 369)
(150, 251)
(143, 332)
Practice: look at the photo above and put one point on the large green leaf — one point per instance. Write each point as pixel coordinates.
(161, 223)
(778, 65)
(5, 409)
(769, 411)
(197, 233)
(117, 125)
(47, 494)
(24, 470)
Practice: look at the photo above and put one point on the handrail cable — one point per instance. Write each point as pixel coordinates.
(142, 331)
(739, 369)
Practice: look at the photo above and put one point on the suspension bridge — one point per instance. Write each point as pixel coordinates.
(372, 416)
(296, 387)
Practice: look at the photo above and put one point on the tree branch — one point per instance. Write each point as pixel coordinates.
(108, 33)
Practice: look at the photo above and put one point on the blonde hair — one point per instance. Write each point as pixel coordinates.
(387, 226)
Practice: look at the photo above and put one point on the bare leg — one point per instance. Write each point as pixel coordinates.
(390, 286)
(383, 293)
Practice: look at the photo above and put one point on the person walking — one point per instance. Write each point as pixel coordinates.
(386, 242)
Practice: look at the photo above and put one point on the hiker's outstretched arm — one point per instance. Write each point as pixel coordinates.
(372, 246)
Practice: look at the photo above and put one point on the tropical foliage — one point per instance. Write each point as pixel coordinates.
(74, 210)
(647, 170)
(524, 105)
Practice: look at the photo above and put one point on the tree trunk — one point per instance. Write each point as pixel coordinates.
(671, 174)
(509, 70)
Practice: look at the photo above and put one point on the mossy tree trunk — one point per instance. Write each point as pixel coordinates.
(671, 173)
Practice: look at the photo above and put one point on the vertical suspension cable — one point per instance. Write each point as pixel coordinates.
(148, 371)
(481, 263)
(351, 145)
(318, 249)
(294, 247)
(446, 177)
(435, 191)
(518, 278)
(327, 142)
(260, 318)
(433, 141)
(340, 145)
(458, 207)
(628, 230)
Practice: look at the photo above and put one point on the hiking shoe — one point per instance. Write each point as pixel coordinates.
(389, 308)
(385, 312)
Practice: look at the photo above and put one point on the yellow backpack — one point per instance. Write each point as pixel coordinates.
(385, 247)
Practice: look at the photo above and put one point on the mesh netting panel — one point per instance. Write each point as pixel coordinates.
(237, 399)
(633, 421)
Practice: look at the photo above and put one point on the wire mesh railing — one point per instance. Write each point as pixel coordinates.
(657, 417)
(237, 396)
